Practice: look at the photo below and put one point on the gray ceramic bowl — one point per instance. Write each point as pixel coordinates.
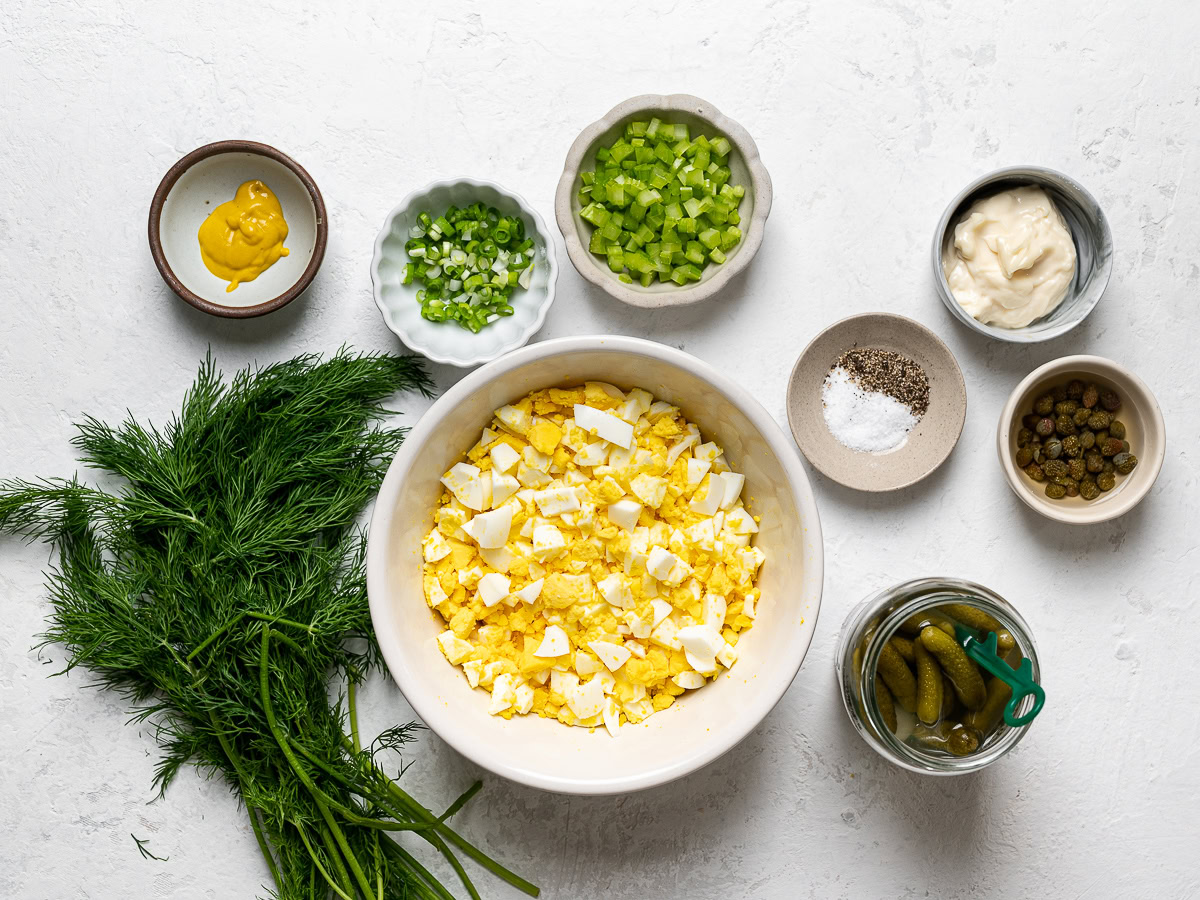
(928, 444)
(744, 162)
(1089, 230)
(1144, 428)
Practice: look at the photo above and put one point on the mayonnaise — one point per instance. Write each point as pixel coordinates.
(1012, 259)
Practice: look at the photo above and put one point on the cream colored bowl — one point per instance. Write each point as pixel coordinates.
(704, 724)
(1146, 433)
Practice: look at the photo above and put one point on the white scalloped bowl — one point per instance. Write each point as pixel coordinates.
(447, 342)
(702, 725)
(746, 167)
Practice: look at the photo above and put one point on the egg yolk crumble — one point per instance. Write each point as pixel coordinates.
(591, 558)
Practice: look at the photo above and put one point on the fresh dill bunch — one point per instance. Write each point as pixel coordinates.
(222, 589)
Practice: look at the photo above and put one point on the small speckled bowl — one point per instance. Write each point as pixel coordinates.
(198, 184)
(1145, 431)
(448, 342)
(928, 444)
(744, 163)
(1089, 231)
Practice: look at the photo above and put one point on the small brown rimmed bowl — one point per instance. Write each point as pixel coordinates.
(206, 178)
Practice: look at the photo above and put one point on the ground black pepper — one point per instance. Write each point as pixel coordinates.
(888, 373)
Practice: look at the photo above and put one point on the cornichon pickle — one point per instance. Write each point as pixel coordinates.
(949, 701)
(948, 737)
(887, 706)
(987, 717)
(929, 685)
(968, 683)
(963, 740)
(1116, 429)
(899, 677)
(903, 645)
(974, 617)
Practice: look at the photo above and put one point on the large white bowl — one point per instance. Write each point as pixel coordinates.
(703, 725)
(448, 342)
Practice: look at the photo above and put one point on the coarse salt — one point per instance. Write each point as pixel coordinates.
(866, 421)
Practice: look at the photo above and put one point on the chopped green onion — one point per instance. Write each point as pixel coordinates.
(660, 203)
(468, 262)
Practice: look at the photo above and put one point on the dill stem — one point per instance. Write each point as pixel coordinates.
(336, 857)
(352, 712)
(216, 634)
(317, 862)
(347, 851)
(410, 862)
(262, 845)
(277, 620)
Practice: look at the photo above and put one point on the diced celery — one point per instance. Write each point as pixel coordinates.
(652, 127)
(710, 238)
(693, 207)
(624, 278)
(716, 255)
(594, 213)
(694, 252)
(720, 146)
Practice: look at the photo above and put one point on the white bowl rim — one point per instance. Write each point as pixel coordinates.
(414, 343)
(1093, 513)
(763, 700)
(1014, 336)
(760, 184)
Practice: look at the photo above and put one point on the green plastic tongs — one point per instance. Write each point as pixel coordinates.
(1020, 679)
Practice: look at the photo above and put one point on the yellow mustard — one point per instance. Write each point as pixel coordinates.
(243, 237)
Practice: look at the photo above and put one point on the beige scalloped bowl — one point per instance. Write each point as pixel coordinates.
(744, 163)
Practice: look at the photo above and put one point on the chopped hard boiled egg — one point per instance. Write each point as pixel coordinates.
(592, 558)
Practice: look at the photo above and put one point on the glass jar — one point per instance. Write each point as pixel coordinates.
(868, 628)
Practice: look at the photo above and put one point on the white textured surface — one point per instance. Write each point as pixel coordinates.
(868, 116)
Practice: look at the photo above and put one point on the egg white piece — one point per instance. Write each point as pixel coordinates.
(493, 588)
(624, 514)
(435, 547)
(587, 700)
(688, 680)
(554, 643)
(612, 655)
(604, 425)
(530, 592)
(503, 457)
(490, 530)
(556, 501)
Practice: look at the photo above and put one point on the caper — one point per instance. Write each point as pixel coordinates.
(1074, 389)
(1101, 437)
(1088, 489)
(1055, 491)
(1109, 400)
(1076, 469)
(1031, 420)
(1116, 429)
(1072, 446)
(1036, 472)
(1044, 405)
(1064, 480)
(1108, 466)
(1054, 468)
(1087, 439)
(1024, 457)
(1124, 462)
(1072, 489)
(1125, 446)
(1106, 481)
(1091, 396)
(1045, 427)
(1111, 447)
(1099, 420)
(1081, 416)
(1094, 462)
(1066, 408)
(1024, 436)
(1059, 393)
(1053, 448)
(1064, 425)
